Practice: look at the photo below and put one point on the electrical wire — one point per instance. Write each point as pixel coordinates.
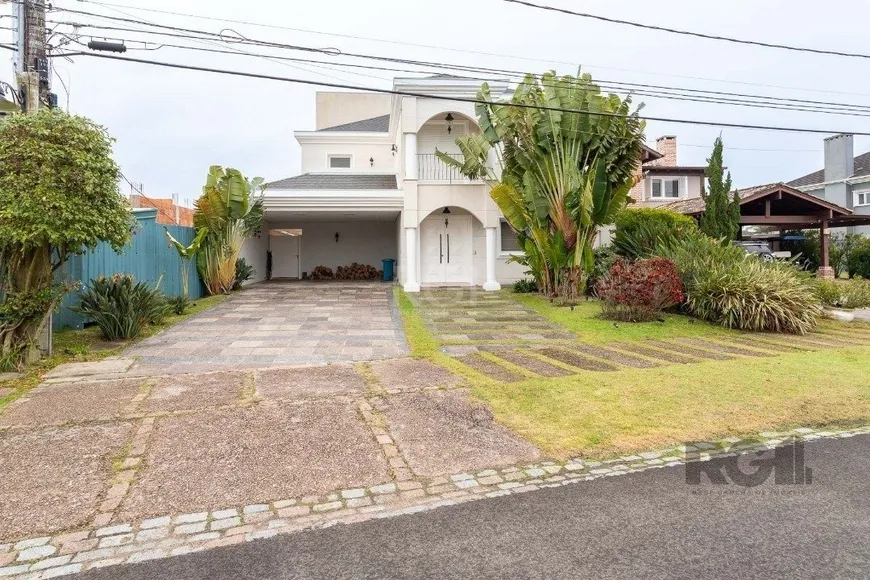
(640, 89)
(154, 205)
(472, 100)
(688, 32)
(464, 51)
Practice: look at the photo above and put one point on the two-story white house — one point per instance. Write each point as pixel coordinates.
(372, 188)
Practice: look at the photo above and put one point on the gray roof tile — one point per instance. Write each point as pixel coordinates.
(336, 181)
(374, 125)
(862, 168)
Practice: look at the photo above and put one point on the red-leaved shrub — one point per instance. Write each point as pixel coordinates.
(638, 291)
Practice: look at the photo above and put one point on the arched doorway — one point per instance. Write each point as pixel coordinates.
(447, 247)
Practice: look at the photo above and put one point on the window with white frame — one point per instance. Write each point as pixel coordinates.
(509, 241)
(862, 198)
(666, 188)
(339, 161)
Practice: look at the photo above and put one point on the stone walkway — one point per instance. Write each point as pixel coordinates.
(279, 324)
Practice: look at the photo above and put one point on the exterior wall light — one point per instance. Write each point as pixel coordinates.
(372, 161)
(336, 237)
(449, 118)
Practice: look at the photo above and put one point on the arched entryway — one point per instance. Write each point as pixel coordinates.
(447, 255)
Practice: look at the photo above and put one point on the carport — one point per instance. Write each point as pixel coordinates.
(785, 207)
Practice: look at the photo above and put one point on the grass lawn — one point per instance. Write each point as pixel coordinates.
(88, 345)
(631, 410)
(586, 323)
(598, 414)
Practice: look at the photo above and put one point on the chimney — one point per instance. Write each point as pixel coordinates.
(667, 146)
(839, 157)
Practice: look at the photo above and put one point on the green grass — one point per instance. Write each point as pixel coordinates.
(585, 321)
(87, 345)
(597, 414)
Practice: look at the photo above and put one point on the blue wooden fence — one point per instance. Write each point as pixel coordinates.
(147, 257)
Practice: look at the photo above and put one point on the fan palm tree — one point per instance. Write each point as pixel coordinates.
(231, 210)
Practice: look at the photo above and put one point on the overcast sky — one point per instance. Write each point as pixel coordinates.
(171, 125)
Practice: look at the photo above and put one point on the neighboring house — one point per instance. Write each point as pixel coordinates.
(169, 213)
(845, 179)
(372, 188)
(662, 179)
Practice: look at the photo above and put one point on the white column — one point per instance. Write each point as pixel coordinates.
(491, 252)
(412, 284)
(411, 156)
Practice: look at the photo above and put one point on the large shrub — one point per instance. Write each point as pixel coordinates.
(121, 307)
(639, 291)
(727, 286)
(639, 231)
(604, 257)
(58, 197)
(858, 260)
(845, 293)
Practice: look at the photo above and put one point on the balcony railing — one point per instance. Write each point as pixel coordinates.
(430, 168)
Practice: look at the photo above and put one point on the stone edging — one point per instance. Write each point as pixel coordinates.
(161, 537)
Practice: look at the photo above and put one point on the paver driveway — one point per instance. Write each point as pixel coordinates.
(280, 324)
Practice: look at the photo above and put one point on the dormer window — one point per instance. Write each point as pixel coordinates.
(666, 188)
(339, 161)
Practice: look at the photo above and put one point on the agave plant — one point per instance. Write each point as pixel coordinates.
(231, 210)
(568, 156)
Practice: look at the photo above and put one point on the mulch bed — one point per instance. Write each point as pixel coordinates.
(617, 357)
(575, 360)
(490, 369)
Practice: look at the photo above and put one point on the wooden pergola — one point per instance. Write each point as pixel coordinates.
(785, 207)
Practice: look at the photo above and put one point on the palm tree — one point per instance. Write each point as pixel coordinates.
(568, 156)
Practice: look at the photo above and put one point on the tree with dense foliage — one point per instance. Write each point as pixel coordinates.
(58, 197)
(231, 209)
(639, 231)
(721, 217)
(568, 156)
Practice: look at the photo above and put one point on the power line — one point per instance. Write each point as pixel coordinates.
(461, 50)
(452, 98)
(661, 92)
(632, 86)
(687, 32)
(752, 149)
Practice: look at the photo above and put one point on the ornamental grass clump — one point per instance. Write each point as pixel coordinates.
(639, 291)
(725, 285)
(120, 307)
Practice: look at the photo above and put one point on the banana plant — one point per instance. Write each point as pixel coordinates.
(187, 253)
(568, 156)
(231, 210)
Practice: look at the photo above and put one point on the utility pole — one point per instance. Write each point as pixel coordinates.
(34, 75)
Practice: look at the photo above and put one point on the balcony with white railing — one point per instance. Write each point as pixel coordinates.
(432, 169)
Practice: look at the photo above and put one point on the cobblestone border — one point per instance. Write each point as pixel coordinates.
(174, 535)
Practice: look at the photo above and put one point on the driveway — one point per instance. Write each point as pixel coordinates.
(280, 324)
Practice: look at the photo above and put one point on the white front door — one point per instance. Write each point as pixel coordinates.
(285, 256)
(445, 249)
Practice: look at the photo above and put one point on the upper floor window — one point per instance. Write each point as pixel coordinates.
(666, 188)
(862, 198)
(339, 161)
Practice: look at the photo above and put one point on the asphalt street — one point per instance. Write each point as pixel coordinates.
(643, 525)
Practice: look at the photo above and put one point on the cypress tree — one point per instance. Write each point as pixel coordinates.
(721, 218)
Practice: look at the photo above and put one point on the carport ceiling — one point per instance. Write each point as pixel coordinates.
(331, 216)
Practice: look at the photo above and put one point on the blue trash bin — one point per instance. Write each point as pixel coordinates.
(388, 269)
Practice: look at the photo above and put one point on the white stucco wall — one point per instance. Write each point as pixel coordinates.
(339, 108)
(358, 241)
(315, 156)
(255, 251)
